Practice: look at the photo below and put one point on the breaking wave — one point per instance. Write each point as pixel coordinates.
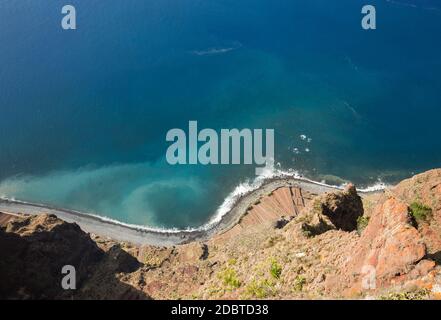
(7, 189)
(216, 50)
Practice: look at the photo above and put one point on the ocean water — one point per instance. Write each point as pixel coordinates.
(84, 113)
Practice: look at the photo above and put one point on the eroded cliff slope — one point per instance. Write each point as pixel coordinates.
(334, 245)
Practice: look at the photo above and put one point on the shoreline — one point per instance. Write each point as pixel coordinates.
(140, 235)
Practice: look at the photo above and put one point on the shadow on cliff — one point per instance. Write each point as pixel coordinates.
(436, 257)
(34, 250)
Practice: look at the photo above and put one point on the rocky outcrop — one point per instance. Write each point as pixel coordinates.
(333, 211)
(389, 249)
(35, 249)
(425, 189)
(195, 251)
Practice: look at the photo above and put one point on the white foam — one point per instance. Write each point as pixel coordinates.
(245, 188)
(139, 227)
(239, 191)
(379, 186)
(216, 50)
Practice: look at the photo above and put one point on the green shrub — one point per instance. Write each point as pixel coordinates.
(275, 269)
(362, 223)
(422, 294)
(260, 289)
(229, 278)
(419, 211)
(299, 282)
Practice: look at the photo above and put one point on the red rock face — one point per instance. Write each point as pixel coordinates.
(425, 188)
(388, 249)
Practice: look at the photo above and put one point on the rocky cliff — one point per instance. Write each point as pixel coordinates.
(35, 249)
(334, 245)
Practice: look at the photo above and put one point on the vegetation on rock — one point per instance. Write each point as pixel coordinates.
(362, 223)
(420, 212)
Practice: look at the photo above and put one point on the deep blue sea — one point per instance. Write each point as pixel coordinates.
(84, 113)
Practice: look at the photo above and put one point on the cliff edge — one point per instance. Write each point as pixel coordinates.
(290, 244)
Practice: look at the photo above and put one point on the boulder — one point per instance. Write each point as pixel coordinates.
(192, 252)
(282, 222)
(333, 211)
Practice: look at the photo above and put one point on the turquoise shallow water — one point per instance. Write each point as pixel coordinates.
(84, 113)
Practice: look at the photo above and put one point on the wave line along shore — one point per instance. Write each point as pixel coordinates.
(141, 235)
